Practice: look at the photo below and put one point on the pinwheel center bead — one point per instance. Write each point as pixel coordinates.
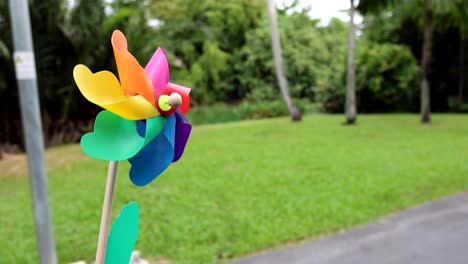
(166, 102)
(163, 103)
(174, 100)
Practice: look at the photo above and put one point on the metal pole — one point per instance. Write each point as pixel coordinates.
(32, 127)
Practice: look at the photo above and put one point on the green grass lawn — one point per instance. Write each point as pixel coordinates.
(243, 187)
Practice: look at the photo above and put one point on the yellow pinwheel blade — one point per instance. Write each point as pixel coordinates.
(103, 89)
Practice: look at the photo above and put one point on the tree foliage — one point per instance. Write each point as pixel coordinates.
(403, 25)
(222, 50)
(387, 78)
(62, 38)
(305, 58)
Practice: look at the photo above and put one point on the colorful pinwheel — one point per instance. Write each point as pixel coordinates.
(144, 120)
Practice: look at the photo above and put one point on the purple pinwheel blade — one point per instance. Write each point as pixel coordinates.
(182, 133)
(155, 157)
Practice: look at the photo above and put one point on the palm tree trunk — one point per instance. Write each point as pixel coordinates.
(461, 70)
(276, 47)
(426, 63)
(350, 110)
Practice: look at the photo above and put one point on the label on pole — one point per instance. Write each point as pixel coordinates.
(24, 65)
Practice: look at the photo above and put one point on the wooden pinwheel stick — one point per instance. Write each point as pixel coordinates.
(106, 212)
(174, 100)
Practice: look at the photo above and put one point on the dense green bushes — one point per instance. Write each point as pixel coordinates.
(455, 105)
(387, 77)
(268, 108)
(213, 114)
(305, 58)
(221, 113)
(222, 50)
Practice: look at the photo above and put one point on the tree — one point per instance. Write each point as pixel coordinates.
(307, 56)
(456, 9)
(426, 63)
(351, 78)
(276, 48)
(378, 5)
(63, 37)
(460, 18)
(204, 40)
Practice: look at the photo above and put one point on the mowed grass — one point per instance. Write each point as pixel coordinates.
(244, 187)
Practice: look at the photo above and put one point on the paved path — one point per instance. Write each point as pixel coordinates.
(433, 233)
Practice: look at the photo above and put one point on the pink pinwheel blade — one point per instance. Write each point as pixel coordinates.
(158, 70)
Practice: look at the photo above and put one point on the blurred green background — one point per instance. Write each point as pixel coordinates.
(242, 186)
(222, 49)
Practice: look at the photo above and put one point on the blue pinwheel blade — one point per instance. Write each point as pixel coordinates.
(156, 156)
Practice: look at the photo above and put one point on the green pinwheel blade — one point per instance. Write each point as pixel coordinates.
(116, 138)
(123, 235)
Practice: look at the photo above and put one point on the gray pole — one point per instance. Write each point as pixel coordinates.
(32, 127)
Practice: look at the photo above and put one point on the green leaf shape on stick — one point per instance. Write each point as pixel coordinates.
(123, 235)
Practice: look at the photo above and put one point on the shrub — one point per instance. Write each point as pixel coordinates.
(221, 113)
(305, 59)
(386, 81)
(387, 78)
(217, 113)
(270, 108)
(456, 106)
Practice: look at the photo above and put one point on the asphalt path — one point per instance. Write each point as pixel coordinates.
(432, 233)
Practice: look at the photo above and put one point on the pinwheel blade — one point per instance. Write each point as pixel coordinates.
(182, 133)
(103, 89)
(132, 76)
(116, 138)
(158, 70)
(155, 157)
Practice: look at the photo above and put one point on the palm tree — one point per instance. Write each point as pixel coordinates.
(351, 78)
(366, 6)
(461, 69)
(458, 10)
(276, 47)
(426, 63)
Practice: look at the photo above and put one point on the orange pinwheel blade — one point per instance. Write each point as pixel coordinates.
(103, 89)
(132, 76)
